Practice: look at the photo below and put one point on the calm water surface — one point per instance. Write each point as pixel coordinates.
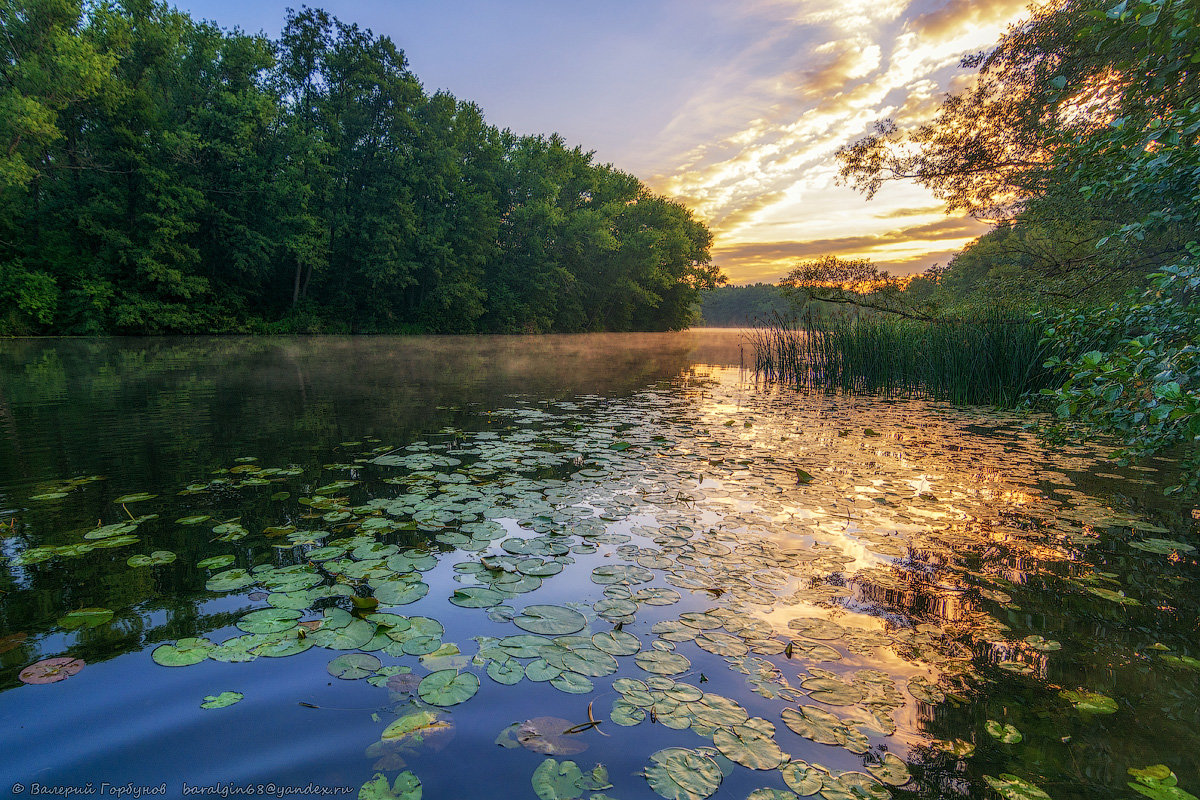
(405, 554)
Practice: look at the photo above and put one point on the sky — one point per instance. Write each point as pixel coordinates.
(734, 107)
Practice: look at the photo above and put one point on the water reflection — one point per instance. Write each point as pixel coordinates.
(925, 581)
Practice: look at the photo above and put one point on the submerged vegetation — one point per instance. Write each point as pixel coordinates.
(161, 175)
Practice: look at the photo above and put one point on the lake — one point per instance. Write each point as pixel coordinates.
(602, 566)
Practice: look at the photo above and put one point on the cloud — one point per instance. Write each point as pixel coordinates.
(759, 164)
(900, 250)
(957, 16)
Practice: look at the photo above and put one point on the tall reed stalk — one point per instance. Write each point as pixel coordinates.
(995, 359)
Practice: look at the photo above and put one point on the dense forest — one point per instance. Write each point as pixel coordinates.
(161, 175)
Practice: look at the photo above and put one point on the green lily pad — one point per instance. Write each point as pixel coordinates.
(1162, 546)
(662, 662)
(677, 773)
(1158, 782)
(406, 787)
(566, 781)
(154, 559)
(415, 728)
(230, 580)
(1003, 732)
(195, 519)
(617, 643)
(216, 562)
(892, 770)
(476, 597)
(448, 687)
(352, 666)
(751, 744)
(802, 778)
(137, 497)
(269, 620)
(507, 671)
(550, 620)
(221, 700)
(1010, 787)
(572, 683)
(86, 618)
(183, 653)
(1090, 702)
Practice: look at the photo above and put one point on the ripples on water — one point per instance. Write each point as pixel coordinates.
(748, 587)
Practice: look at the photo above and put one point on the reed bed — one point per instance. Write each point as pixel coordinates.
(996, 359)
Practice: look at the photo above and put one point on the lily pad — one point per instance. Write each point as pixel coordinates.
(661, 662)
(448, 687)
(545, 735)
(153, 560)
(221, 700)
(550, 620)
(566, 781)
(751, 744)
(216, 562)
(183, 653)
(136, 497)
(51, 670)
(352, 666)
(269, 620)
(892, 770)
(802, 778)
(1003, 732)
(1090, 702)
(677, 773)
(406, 787)
(1010, 787)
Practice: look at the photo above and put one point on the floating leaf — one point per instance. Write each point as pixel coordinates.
(1003, 732)
(476, 597)
(269, 620)
(448, 687)
(216, 562)
(677, 773)
(406, 787)
(352, 666)
(751, 744)
(51, 670)
(1010, 787)
(545, 735)
(892, 770)
(802, 778)
(154, 559)
(221, 700)
(1090, 702)
(661, 662)
(550, 620)
(507, 671)
(617, 643)
(183, 653)
(135, 498)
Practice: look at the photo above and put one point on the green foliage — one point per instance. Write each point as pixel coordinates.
(740, 306)
(1139, 375)
(165, 176)
(995, 358)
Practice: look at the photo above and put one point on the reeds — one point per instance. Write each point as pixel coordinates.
(994, 359)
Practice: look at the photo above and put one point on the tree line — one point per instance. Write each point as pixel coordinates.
(162, 175)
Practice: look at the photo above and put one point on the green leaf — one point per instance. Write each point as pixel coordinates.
(1010, 787)
(221, 700)
(406, 787)
(183, 653)
(751, 744)
(352, 666)
(1003, 732)
(447, 687)
(550, 620)
(677, 773)
(1090, 702)
(86, 618)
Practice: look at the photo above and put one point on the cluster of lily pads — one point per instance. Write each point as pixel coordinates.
(691, 543)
